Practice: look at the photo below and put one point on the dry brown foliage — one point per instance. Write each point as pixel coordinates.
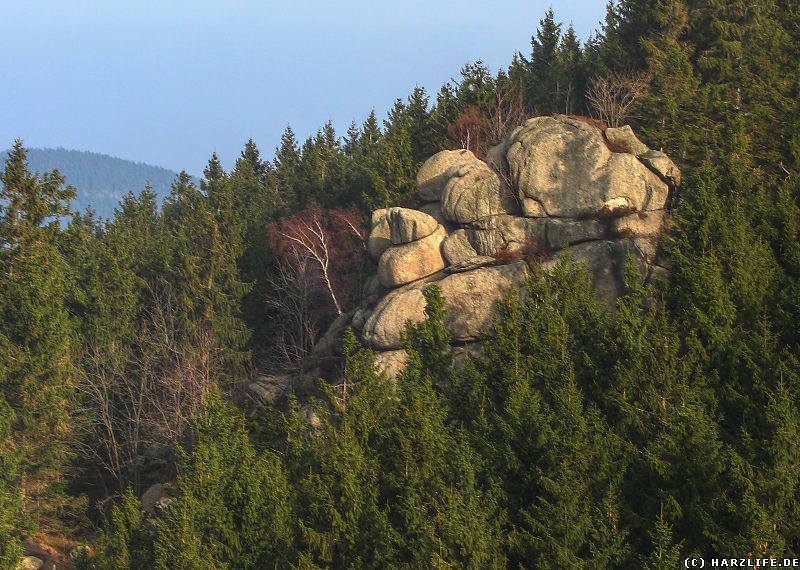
(607, 213)
(532, 252)
(535, 252)
(472, 131)
(597, 123)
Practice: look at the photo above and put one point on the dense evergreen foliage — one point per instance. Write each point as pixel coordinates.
(586, 437)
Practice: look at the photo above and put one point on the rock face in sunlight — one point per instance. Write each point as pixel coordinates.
(556, 185)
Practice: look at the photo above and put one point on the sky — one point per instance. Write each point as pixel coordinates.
(169, 82)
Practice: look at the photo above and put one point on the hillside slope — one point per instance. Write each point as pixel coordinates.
(101, 180)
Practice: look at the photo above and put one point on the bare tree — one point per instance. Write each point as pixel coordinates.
(110, 422)
(319, 257)
(611, 98)
(294, 299)
(509, 112)
(307, 237)
(181, 369)
(138, 400)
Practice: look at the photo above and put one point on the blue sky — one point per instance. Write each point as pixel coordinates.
(169, 82)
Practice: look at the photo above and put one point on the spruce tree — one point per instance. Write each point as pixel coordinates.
(421, 130)
(342, 524)
(233, 506)
(444, 112)
(128, 541)
(392, 174)
(258, 203)
(224, 288)
(544, 66)
(364, 172)
(551, 448)
(39, 367)
(284, 172)
(204, 238)
(665, 553)
(476, 88)
(572, 75)
(334, 191)
(12, 521)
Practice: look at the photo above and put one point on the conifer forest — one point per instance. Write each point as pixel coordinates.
(637, 435)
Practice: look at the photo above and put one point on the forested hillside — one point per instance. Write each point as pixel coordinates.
(586, 437)
(100, 181)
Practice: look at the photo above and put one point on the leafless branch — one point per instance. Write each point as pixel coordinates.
(612, 97)
(138, 400)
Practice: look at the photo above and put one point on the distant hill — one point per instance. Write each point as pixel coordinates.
(101, 180)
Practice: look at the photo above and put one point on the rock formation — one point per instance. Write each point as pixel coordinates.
(555, 184)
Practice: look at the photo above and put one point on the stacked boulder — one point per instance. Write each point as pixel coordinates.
(406, 244)
(555, 184)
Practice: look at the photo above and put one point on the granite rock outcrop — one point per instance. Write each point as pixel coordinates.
(556, 185)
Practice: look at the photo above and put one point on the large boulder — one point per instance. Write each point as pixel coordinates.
(622, 139)
(269, 389)
(663, 166)
(470, 298)
(372, 290)
(360, 318)
(407, 225)
(649, 224)
(401, 264)
(152, 497)
(474, 350)
(532, 208)
(625, 180)
(431, 178)
(566, 167)
(391, 363)
(30, 563)
(472, 192)
(496, 157)
(384, 328)
(456, 247)
(555, 183)
(555, 161)
(377, 216)
(471, 264)
(434, 210)
(330, 342)
(379, 238)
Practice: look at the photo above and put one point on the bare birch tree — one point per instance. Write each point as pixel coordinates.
(318, 255)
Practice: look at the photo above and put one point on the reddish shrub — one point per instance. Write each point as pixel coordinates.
(590, 121)
(472, 131)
